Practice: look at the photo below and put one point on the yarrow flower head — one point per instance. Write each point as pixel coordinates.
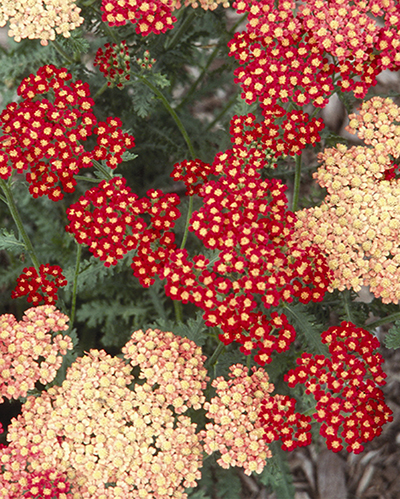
(40, 20)
(45, 135)
(349, 403)
(281, 422)
(283, 51)
(113, 62)
(110, 441)
(40, 287)
(107, 219)
(360, 241)
(29, 352)
(246, 220)
(236, 431)
(153, 16)
(172, 365)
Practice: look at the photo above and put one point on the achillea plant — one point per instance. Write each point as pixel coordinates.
(44, 135)
(360, 240)
(108, 440)
(40, 287)
(29, 353)
(113, 62)
(349, 403)
(150, 17)
(246, 219)
(236, 430)
(238, 271)
(41, 20)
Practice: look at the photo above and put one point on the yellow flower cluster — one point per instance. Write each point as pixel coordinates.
(358, 225)
(40, 19)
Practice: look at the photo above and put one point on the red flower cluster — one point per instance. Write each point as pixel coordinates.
(113, 62)
(111, 142)
(40, 287)
(45, 135)
(347, 382)
(283, 55)
(245, 218)
(152, 16)
(298, 131)
(193, 173)
(46, 484)
(283, 58)
(281, 422)
(115, 226)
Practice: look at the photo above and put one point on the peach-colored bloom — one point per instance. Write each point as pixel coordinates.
(40, 19)
(358, 225)
(237, 431)
(29, 352)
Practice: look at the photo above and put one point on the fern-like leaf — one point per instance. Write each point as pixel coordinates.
(9, 242)
(392, 339)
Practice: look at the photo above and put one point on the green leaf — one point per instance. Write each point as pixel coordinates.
(193, 329)
(228, 483)
(128, 156)
(306, 323)
(198, 494)
(75, 43)
(9, 242)
(277, 474)
(159, 80)
(92, 272)
(392, 339)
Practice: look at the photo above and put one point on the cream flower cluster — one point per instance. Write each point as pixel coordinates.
(110, 441)
(29, 352)
(40, 19)
(358, 225)
(173, 364)
(237, 431)
(108, 435)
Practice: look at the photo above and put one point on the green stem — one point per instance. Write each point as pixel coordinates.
(62, 52)
(87, 179)
(101, 169)
(296, 187)
(75, 287)
(214, 357)
(223, 111)
(172, 112)
(183, 131)
(178, 311)
(18, 222)
(381, 322)
(346, 300)
(100, 91)
(171, 42)
(213, 55)
(196, 83)
(188, 217)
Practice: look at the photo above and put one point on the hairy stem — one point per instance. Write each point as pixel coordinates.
(18, 222)
(75, 287)
(62, 52)
(172, 112)
(385, 320)
(296, 187)
(100, 91)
